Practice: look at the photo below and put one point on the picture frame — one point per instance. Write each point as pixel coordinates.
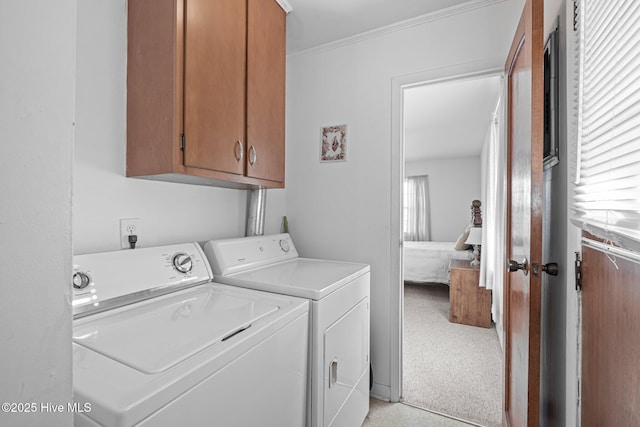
(333, 143)
(551, 101)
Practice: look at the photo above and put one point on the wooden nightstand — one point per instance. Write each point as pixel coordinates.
(470, 304)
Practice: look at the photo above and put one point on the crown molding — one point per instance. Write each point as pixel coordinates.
(399, 26)
(284, 4)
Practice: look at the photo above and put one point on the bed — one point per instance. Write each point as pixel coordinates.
(428, 262)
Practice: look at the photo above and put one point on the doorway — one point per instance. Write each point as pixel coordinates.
(441, 134)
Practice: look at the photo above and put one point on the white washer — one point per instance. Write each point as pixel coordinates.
(339, 296)
(155, 343)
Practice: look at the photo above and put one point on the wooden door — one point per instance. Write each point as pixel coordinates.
(214, 84)
(524, 69)
(609, 390)
(266, 63)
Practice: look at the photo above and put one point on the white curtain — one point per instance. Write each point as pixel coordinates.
(416, 209)
(494, 213)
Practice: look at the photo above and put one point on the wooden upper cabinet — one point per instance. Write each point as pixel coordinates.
(214, 84)
(206, 92)
(266, 64)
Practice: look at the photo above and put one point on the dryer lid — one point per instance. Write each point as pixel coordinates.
(300, 277)
(155, 335)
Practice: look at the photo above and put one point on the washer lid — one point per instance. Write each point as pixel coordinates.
(155, 335)
(300, 277)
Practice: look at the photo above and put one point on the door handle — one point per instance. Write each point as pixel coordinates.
(239, 150)
(253, 155)
(333, 372)
(551, 268)
(515, 266)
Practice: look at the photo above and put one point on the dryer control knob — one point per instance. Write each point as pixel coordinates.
(81, 280)
(182, 262)
(284, 245)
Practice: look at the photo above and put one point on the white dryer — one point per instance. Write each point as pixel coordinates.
(155, 343)
(339, 297)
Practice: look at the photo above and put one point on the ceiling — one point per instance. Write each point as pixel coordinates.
(448, 119)
(316, 22)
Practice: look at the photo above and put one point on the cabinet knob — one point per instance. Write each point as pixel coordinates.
(239, 151)
(253, 155)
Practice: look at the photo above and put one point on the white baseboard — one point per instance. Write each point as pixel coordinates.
(380, 392)
(500, 332)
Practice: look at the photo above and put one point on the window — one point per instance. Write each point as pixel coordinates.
(415, 215)
(607, 192)
(405, 206)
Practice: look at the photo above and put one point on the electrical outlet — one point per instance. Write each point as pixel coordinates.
(129, 226)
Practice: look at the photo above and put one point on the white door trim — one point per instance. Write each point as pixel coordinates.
(398, 84)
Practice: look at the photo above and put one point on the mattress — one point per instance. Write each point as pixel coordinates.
(429, 261)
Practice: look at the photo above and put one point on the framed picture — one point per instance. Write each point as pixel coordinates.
(551, 99)
(333, 143)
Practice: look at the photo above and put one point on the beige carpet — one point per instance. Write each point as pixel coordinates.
(449, 368)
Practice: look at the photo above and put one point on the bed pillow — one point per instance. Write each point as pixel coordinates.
(460, 243)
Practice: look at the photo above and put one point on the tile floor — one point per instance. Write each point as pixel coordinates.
(385, 414)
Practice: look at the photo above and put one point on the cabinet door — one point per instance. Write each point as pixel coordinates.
(214, 84)
(265, 90)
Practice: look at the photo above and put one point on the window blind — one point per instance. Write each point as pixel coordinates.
(607, 190)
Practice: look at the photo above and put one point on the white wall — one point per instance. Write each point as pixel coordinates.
(571, 234)
(37, 41)
(554, 294)
(453, 185)
(336, 211)
(170, 213)
(343, 211)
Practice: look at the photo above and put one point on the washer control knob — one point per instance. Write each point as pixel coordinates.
(81, 280)
(284, 245)
(182, 262)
